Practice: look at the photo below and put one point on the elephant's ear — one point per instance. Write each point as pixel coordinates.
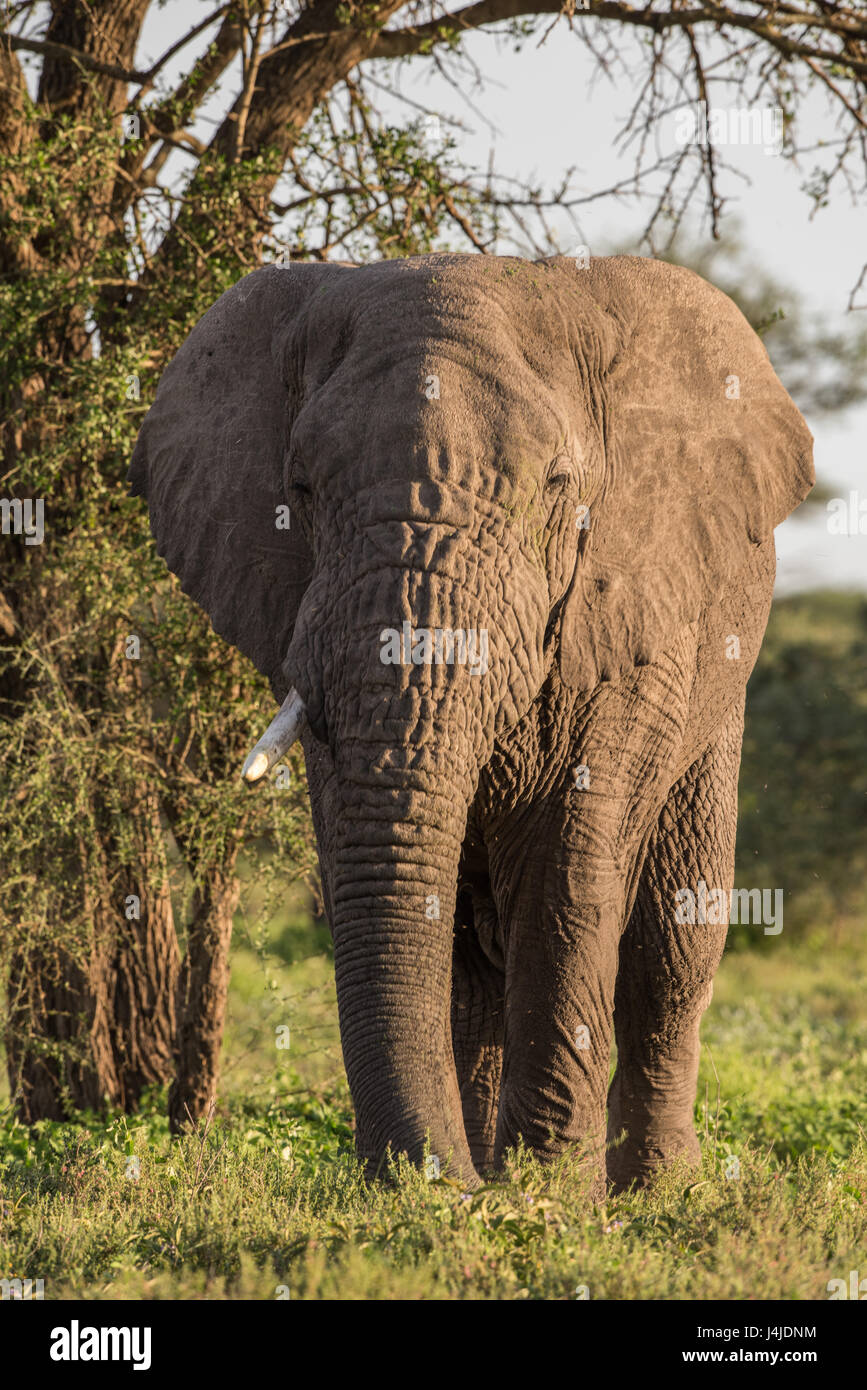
(705, 454)
(210, 460)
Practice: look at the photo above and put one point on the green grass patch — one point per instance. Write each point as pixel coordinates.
(269, 1201)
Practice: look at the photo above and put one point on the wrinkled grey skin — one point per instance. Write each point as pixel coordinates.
(609, 387)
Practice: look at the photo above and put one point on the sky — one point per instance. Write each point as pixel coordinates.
(544, 110)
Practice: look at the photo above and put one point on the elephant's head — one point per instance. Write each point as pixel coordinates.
(498, 474)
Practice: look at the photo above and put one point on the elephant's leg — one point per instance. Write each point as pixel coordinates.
(665, 979)
(565, 922)
(477, 1035)
(563, 866)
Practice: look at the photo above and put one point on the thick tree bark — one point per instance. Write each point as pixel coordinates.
(203, 992)
(141, 975)
(112, 38)
(82, 1037)
(50, 1010)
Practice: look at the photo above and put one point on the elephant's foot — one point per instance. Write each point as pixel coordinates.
(639, 1156)
(585, 1154)
(650, 1127)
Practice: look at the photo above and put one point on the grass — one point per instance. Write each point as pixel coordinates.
(267, 1200)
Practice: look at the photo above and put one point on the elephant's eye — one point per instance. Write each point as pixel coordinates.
(560, 472)
(295, 474)
(297, 481)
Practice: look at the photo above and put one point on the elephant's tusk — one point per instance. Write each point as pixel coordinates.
(279, 736)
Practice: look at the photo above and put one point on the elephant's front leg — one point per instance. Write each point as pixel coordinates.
(564, 858)
(667, 967)
(566, 907)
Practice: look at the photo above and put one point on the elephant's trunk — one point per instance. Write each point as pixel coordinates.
(406, 660)
(394, 886)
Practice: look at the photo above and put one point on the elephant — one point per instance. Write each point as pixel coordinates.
(499, 533)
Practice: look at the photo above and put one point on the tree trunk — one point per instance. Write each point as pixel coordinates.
(82, 1037)
(204, 988)
(51, 1013)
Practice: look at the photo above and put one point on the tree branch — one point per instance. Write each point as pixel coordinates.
(412, 39)
(75, 55)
